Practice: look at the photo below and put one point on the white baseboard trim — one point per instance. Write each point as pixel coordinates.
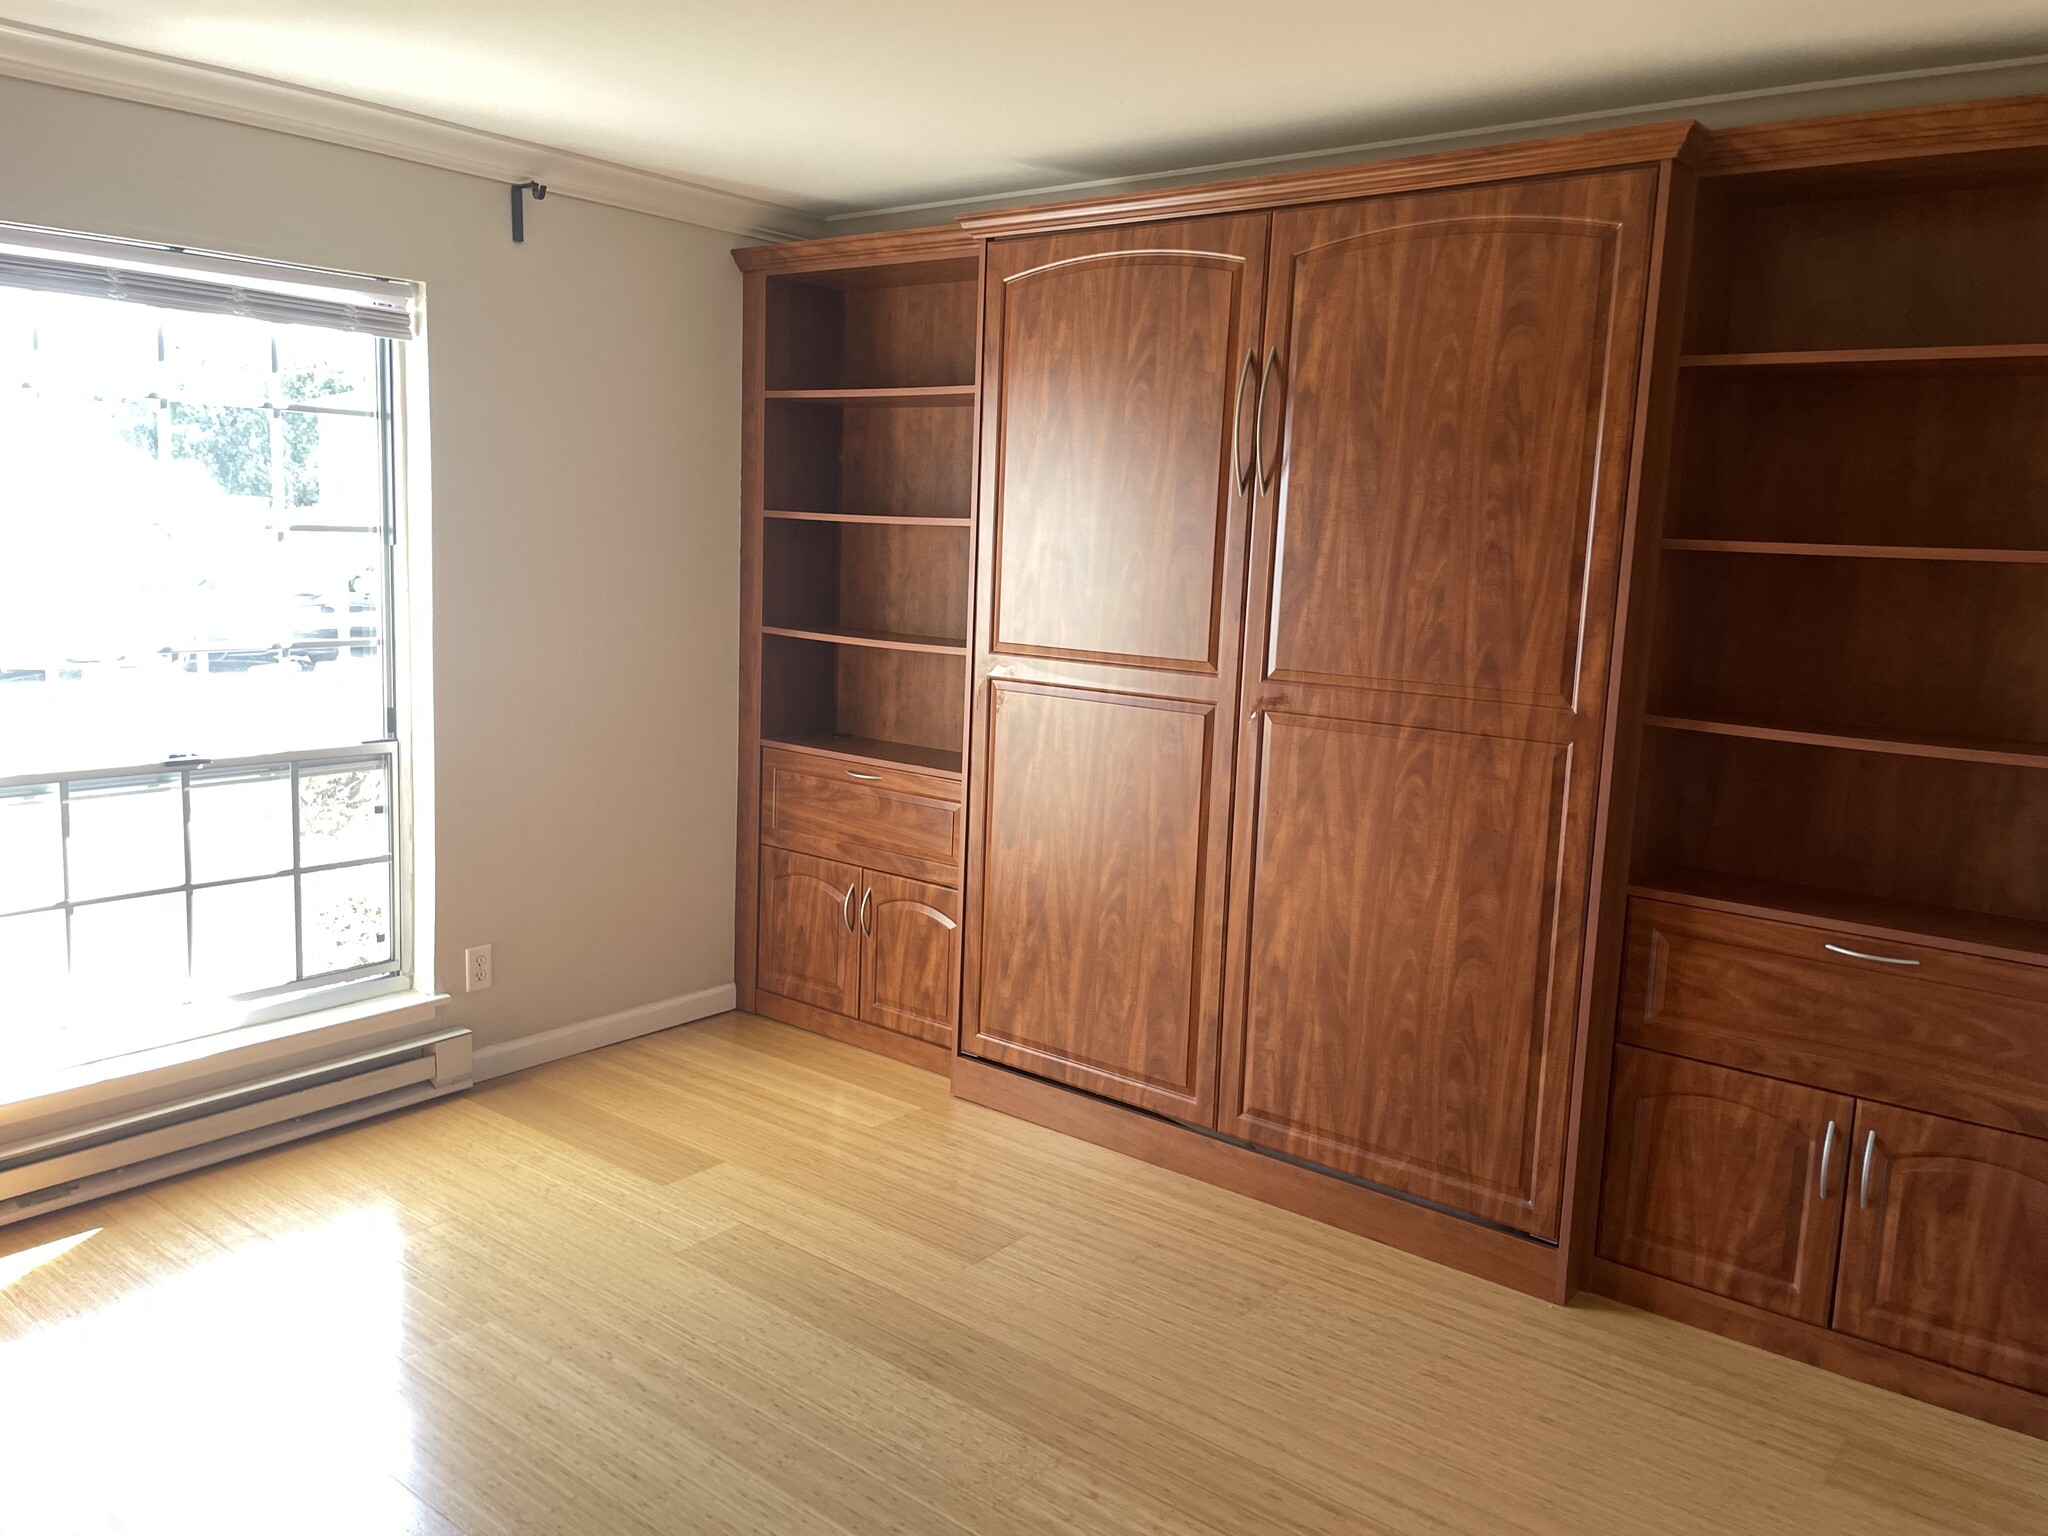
(573, 1039)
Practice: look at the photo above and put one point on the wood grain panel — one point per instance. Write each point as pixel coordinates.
(1936, 458)
(1967, 837)
(1714, 1179)
(1947, 1033)
(910, 957)
(1108, 632)
(904, 461)
(1433, 585)
(1113, 479)
(1092, 963)
(1834, 644)
(1402, 1020)
(1442, 425)
(808, 950)
(901, 696)
(1868, 264)
(1948, 1256)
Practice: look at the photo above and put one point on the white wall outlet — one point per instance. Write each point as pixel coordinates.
(476, 968)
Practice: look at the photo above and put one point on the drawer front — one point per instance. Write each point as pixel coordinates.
(885, 818)
(1950, 1034)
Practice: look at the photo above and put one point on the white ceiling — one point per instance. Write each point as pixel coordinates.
(837, 105)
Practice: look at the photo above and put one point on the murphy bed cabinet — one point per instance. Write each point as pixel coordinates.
(1496, 700)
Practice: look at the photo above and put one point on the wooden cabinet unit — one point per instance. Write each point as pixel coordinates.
(1498, 700)
(1840, 852)
(857, 479)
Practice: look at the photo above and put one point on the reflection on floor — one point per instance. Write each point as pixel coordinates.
(735, 1278)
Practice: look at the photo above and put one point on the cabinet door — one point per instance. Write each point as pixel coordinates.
(1725, 1181)
(808, 947)
(1433, 580)
(1119, 367)
(910, 957)
(1945, 1251)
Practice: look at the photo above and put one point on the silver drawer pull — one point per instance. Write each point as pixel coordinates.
(1857, 954)
(1827, 1157)
(1869, 1157)
(878, 779)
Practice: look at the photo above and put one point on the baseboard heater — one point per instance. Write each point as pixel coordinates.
(99, 1159)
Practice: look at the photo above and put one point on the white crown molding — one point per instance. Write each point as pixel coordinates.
(129, 74)
(1814, 98)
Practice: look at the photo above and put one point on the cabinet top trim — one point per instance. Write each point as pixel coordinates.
(2011, 122)
(1641, 145)
(887, 247)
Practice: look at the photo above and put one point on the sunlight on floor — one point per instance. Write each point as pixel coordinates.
(256, 1391)
(14, 1265)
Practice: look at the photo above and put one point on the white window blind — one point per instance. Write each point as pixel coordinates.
(57, 262)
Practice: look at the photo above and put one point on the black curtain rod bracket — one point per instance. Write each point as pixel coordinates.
(519, 191)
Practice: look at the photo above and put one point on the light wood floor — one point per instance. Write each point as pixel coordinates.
(735, 1278)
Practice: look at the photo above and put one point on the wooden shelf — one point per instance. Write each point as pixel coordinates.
(1860, 551)
(1980, 933)
(2014, 754)
(868, 750)
(933, 394)
(880, 640)
(2026, 355)
(880, 519)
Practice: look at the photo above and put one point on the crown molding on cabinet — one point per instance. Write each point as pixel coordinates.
(105, 69)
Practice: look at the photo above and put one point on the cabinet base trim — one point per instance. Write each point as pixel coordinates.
(1944, 1386)
(837, 1026)
(1521, 1263)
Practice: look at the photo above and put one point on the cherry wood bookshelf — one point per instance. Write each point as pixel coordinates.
(857, 572)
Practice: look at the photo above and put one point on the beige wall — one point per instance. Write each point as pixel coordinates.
(585, 442)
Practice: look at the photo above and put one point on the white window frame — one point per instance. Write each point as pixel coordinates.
(318, 1019)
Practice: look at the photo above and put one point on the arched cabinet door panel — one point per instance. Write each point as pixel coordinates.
(1120, 371)
(1726, 1181)
(1432, 582)
(809, 947)
(1945, 1250)
(910, 957)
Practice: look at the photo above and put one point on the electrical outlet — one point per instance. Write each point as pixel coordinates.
(476, 968)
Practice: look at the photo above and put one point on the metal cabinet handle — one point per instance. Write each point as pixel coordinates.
(1259, 420)
(846, 906)
(1827, 1158)
(1241, 472)
(1857, 954)
(1869, 1157)
(874, 776)
(866, 897)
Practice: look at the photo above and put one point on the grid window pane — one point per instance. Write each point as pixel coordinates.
(243, 937)
(241, 824)
(344, 814)
(31, 848)
(32, 961)
(126, 835)
(130, 949)
(347, 917)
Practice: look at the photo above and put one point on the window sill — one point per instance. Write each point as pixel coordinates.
(124, 1084)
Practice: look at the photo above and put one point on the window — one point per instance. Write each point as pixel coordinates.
(200, 770)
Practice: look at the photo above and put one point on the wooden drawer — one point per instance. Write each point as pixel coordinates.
(888, 819)
(1952, 1034)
